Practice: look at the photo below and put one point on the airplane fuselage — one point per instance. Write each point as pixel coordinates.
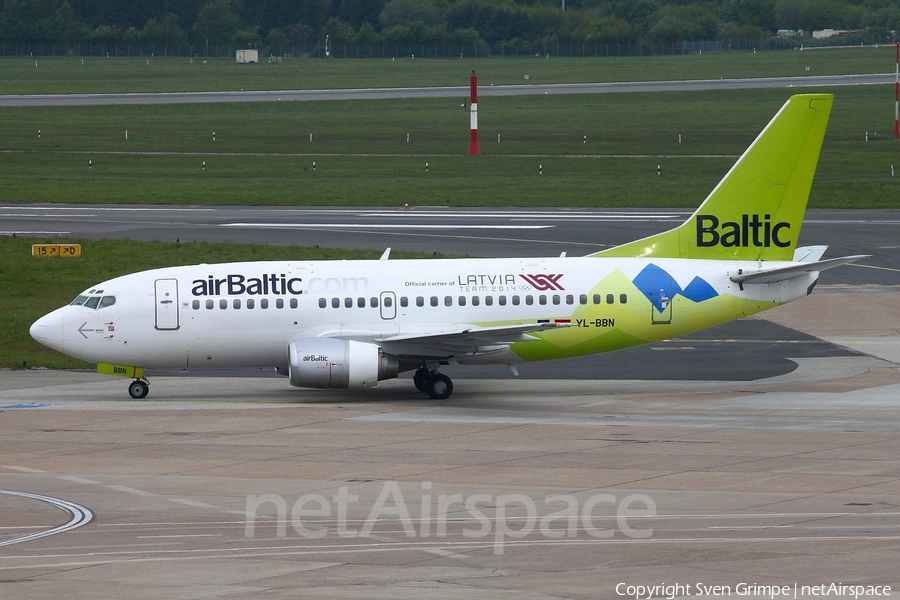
(245, 314)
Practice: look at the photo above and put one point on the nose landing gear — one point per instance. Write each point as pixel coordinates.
(437, 385)
(139, 388)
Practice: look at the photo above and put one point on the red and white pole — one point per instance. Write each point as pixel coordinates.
(897, 94)
(474, 150)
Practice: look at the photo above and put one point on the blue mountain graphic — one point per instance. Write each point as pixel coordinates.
(660, 288)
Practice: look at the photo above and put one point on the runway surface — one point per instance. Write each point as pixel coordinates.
(242, 487)
(443, 92)
(763, 452)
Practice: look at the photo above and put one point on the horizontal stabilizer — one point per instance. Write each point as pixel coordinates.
(809, 253)
(795, 270)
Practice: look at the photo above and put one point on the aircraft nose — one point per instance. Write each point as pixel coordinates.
(48, 330)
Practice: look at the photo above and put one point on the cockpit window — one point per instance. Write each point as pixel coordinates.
(93, 301)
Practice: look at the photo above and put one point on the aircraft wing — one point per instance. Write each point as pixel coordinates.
(783, 273)
(463, 340)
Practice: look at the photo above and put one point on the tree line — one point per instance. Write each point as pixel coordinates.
(307, 23)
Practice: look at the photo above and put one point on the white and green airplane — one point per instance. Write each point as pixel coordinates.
(351, 324)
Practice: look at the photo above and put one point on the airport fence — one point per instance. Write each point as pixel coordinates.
(516, 48)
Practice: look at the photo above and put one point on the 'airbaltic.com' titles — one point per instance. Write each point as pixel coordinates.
(351, 324)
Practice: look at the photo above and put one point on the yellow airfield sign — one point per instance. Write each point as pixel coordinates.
(56, 249)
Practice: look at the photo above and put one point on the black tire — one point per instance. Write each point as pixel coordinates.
(439, 387)
(139, 389)
(420, 379)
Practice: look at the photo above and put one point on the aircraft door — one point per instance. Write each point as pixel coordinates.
(388, 305)
(166, 304)
(661, 298)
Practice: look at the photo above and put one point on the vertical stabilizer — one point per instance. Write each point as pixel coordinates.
(756, 211)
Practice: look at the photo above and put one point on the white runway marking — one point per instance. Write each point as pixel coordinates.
(79, 516)
(375, 226)
(192, 503)
(129, 490)
(23, 469)
(75, 479)
(26, 233)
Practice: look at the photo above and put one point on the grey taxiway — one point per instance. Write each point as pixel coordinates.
(443, 92)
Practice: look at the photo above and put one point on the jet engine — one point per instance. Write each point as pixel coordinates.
(333, 363)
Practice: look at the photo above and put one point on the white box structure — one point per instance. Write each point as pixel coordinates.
(247, 56)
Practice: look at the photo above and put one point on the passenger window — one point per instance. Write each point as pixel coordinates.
(251, 303)
(279, 303)
(582, 299)
(420, 301)
(93, 302)
(335, 303)
(570, 299)
(623, 298)
(434, 300)
(488, 300)
(373, 302)
(348, 302)
(529, 300)
(264, 303)
(195, 305)
(107, 301)
(223, 304)
(237, 303)
(462, 300)
(210, 305)
(555, 298)
(610, 299)
(475, 301)
(360, 302)
(293, 303)
(78, 301)
(501, 300)
(388, 302)
(515, 300)
(323, 303)
(597, 299)
(542, 299)
(448, 300)
(404, 301)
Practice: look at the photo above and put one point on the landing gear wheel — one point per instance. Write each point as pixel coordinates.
(139, 389)
(421, 378)
(439, 386)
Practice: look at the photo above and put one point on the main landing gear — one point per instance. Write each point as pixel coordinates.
(436, 385)
(139, 388)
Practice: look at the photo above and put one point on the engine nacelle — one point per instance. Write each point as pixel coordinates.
(333, 363)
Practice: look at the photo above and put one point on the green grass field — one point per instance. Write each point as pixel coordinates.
(34, 286)
(262, 154)
(54, 75)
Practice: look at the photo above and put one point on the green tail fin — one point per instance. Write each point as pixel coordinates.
(756, 211)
